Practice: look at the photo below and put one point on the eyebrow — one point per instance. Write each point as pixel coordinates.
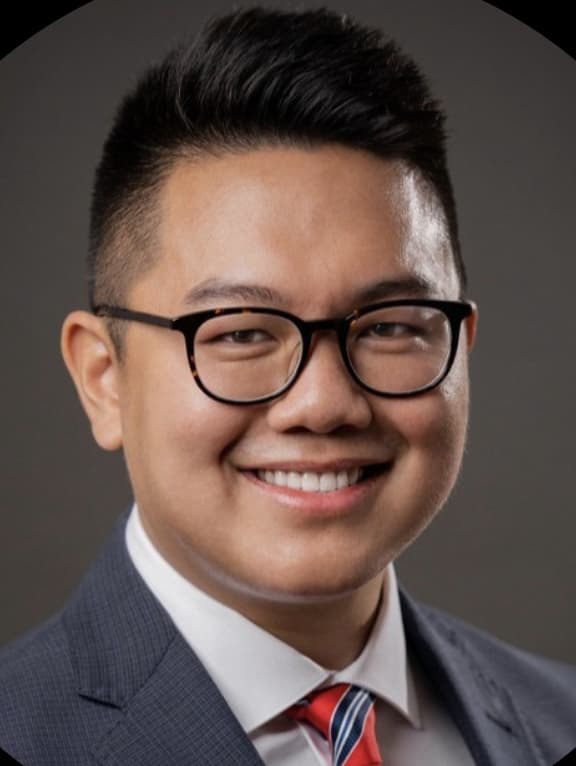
(410, 286)
(221, 289)
(218, 289)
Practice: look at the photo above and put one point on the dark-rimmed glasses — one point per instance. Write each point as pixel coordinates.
(248, 355)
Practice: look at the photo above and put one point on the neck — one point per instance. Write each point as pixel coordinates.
(333, 633)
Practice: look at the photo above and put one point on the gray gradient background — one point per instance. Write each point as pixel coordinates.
(501, 553)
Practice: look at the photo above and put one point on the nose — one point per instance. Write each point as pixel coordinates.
(325, 397)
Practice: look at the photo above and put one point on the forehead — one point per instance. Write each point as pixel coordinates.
(313, 225)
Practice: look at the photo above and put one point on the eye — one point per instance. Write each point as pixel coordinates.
(243, 337)
(393, 330)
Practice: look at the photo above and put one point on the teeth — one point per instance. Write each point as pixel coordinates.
(311, 482)
(279, 477)
(293, 480)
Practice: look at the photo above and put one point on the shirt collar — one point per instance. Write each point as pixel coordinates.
(257, 674)
(383, 667)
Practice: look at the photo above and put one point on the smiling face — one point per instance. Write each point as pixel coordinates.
(319, 230)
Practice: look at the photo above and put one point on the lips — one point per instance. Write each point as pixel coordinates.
(309, 490)
(311, 481)
(316, 479)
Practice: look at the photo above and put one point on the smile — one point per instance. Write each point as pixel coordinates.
(323, 492)
(311, 482)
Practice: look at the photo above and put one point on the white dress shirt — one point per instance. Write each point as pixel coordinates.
(261, 676)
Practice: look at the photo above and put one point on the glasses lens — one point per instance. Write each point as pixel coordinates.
(246, 356)
(400, 349)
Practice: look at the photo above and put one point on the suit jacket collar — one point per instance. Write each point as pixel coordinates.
(127, 655)
(494, 730)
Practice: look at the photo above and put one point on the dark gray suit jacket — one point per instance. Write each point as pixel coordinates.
(110, 682)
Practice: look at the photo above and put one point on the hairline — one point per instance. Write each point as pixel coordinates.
(143, 246)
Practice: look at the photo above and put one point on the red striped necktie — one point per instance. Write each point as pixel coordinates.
(344, 715)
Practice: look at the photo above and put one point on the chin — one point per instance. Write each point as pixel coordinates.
(326, 583)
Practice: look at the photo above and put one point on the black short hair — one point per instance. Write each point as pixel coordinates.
(253, 78)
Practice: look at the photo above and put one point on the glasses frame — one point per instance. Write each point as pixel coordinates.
(188, 325)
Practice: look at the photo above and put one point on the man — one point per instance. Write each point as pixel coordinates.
(278, 343)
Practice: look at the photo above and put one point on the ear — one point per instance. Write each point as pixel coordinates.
(471, 325)
(91, 360)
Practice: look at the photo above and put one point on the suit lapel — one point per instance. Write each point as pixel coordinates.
(156, 703)
(483, 710)
(178, 717)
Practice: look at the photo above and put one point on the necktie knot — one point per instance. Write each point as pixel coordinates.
(344, 715)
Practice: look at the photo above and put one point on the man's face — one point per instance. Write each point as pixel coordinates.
(317, 227)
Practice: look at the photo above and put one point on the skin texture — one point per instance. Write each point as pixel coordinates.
(318, 226)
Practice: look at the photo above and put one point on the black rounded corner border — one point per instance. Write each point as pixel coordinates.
(568, 760)
(30, 19)
(552, 19)
(7, 759)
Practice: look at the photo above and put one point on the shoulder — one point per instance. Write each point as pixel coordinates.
(45, 719)
(521, 669)
(37, 660)
(41, 719)
(542, 690)
(483, 680)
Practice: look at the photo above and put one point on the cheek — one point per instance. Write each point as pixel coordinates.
(197, 434)
(437, 421)
(433, 433)
(174, 434)
(432, 429)
(436, 417)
